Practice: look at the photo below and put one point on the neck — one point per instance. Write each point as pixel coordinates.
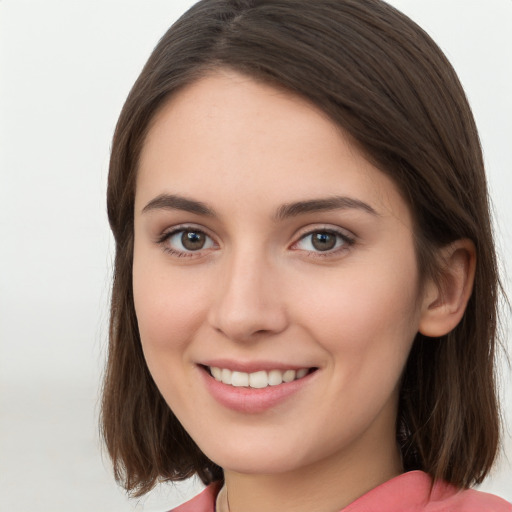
(328, 485)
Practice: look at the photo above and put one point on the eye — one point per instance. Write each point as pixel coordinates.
(186, 241)
(326, 241)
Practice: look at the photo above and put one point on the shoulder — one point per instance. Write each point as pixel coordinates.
(203, 502)
(414, 492)
(469, 500)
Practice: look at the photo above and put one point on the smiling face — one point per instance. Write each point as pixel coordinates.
(271, 255)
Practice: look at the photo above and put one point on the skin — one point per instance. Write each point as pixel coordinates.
(259, 290)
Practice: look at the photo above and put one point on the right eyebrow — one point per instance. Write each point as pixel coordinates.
(175, 202)
(322, 205)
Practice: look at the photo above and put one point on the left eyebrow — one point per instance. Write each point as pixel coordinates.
(175, 202)
(321, 205)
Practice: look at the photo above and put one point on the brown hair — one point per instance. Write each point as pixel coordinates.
(386, 83)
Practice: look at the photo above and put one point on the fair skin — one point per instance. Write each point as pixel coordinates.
(265, 241)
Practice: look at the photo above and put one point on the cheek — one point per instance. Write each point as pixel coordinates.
(367, 313)
(169, 306)
(170, 311)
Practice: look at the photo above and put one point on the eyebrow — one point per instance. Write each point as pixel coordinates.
(322, 205)
(176, 202)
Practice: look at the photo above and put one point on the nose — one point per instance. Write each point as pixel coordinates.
(249, 304)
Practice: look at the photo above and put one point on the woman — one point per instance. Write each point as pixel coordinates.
(304, 304)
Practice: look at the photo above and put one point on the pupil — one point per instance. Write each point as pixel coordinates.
(323, 241)
(192, 240)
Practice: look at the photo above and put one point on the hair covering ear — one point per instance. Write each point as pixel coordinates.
(446, 297)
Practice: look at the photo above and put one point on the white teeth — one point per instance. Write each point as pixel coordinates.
(289, 375)
(225, 376)
(302, 373)
(239, 379)
(258, 380)
(275, 377)
(217, 373)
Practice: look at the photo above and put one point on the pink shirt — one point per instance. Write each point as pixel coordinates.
(409, 492)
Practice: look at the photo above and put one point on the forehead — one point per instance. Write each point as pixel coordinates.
(230, 139)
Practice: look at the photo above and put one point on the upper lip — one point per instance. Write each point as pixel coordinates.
(252, 366)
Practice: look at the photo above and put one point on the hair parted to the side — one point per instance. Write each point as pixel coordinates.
(386, 83)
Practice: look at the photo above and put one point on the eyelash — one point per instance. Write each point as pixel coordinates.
(164, 239)
(346, 242)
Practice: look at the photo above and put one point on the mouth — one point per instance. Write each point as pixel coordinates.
(255, 387)
(259, 379)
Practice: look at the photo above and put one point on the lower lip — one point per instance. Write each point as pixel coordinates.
(253, 400)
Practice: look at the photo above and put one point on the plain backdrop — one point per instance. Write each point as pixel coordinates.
(65, 69)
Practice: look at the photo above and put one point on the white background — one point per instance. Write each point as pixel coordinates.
(65, 69)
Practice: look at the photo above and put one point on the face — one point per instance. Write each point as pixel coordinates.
(275, 279)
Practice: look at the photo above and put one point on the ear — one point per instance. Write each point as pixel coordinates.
(445, 299)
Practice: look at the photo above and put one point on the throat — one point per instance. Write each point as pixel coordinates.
(305, 491)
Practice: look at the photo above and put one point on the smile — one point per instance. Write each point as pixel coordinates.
(258, 380)
(255, 390)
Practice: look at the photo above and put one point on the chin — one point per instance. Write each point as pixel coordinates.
(264, 458)
(258, 464)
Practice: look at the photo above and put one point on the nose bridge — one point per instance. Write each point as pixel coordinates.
(248, 303)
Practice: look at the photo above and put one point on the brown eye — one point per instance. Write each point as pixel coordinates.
(193, 240)
(323, 241)
(186, 241)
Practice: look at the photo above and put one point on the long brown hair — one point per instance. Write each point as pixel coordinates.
(386, 83)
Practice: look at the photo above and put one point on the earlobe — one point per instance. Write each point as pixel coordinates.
(446, 298)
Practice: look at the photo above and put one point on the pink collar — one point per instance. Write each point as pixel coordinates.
(410, 492)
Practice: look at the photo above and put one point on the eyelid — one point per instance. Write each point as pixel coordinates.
(348, 238)
(185, 226)
(164, 237)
